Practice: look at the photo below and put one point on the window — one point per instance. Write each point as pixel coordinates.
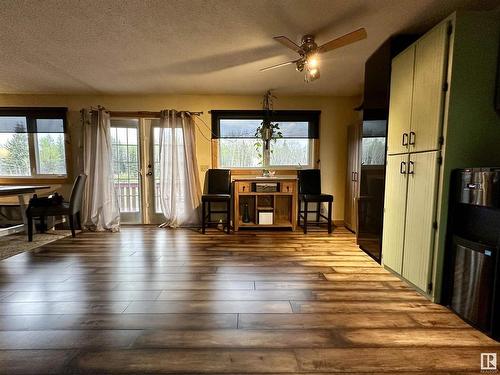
(373, 142)
(32, 142)
(14, 147)
(238, 146)
(294, 149)
(373, 151)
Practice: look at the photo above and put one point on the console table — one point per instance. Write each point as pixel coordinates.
(282, 202)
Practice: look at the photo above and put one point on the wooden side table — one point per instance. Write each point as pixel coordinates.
(282, 203)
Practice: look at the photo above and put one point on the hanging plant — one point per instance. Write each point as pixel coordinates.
(268, 130)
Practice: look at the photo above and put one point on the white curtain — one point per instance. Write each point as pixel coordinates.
(100, 202)
(180, 188)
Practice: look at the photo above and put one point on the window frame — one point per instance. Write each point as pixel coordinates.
(32, 114)
(310, 116)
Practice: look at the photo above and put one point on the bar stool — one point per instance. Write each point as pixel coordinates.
(310, 192)
(219, 190)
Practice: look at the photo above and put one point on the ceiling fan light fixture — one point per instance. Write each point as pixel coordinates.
(309, 51)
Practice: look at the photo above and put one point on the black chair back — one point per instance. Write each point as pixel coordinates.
(219, 181)
(309, 181)
(75, 202)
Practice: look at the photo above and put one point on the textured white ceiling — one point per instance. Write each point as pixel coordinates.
(195, 46)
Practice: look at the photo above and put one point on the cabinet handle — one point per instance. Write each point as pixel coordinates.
(412, 138)
(352, 176)
(411, 168)
(355, 176)
(405, 139)
(401, 169)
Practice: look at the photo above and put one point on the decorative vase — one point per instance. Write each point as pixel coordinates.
(246, 214)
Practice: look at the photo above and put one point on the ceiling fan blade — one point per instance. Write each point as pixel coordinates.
(344, 40)
(287, 43)
(279, 65)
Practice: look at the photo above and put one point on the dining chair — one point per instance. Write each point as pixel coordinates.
(70, 209)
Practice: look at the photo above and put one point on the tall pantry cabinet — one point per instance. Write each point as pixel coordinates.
(427, 138)
(413, 143)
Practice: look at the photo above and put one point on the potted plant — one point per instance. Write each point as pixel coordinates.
(268, 130)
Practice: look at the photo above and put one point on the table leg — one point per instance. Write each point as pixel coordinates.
(22, 205)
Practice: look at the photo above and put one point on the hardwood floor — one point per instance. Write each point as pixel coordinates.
(149, 300)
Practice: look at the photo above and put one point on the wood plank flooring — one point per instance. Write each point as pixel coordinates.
(151, 301)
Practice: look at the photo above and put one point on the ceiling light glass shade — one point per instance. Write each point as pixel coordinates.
(312, 74)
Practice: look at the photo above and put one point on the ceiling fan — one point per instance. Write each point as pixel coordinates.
(309, 51)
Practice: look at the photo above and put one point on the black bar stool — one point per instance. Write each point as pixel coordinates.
(219, 190)
(310, 192)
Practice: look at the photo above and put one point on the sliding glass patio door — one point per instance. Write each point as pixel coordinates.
(136, 169)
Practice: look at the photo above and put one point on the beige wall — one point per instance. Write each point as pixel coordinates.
(336, 114)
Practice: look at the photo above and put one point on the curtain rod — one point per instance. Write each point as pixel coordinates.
(146, 114)
(143, 113)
